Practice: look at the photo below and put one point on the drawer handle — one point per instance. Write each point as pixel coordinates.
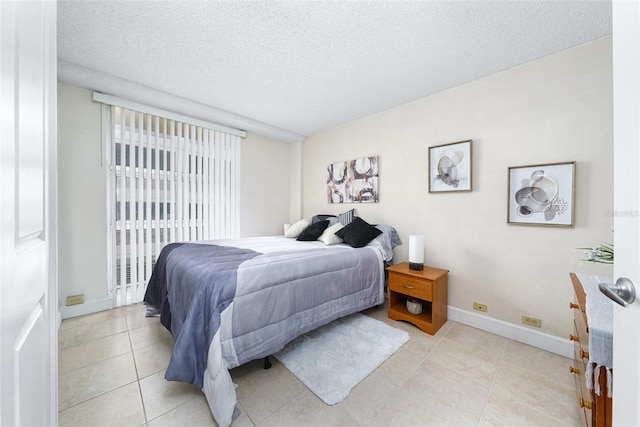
(573, 338)
(574, 370)
(572, 305)
(584, 354)
(585, 404)
(408, 286)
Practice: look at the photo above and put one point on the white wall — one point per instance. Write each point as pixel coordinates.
(266, 181)
(82, 202)
(265, 200)
(556, 109)
(295, 165)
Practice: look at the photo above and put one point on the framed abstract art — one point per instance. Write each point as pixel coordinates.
(541, 194)
(353, 181)
(450, 167)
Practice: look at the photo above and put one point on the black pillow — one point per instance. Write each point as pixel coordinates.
(313, 231)
(358, 233)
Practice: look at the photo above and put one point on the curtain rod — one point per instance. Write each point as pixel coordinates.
(147, 109)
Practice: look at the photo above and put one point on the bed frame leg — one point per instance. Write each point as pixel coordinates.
(267, 363)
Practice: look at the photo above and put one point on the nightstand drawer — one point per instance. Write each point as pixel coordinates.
(419, 288)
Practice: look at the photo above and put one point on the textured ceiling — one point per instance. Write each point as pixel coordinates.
(304, 67)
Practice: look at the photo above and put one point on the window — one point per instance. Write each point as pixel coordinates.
(169, 181)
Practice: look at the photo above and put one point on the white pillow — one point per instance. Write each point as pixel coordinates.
(297, 228)
(328, 237)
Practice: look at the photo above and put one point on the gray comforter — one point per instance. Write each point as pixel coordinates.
(227, 302)
(203, 284)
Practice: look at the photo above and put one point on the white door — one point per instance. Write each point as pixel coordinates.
(626, 113)
(28, 291)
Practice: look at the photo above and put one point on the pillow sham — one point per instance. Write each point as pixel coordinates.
(297, 228)
(329, 237)
(386, 241)
(358, 233)
(345, 218)
(333, 221)
(321, 217)
(313, 231)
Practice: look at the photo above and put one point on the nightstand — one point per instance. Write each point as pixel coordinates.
(428, 285)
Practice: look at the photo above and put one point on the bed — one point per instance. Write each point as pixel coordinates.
(227, 302)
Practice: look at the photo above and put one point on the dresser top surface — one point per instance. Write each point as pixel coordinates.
(429, 273)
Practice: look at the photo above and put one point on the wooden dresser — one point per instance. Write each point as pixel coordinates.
(596, 409)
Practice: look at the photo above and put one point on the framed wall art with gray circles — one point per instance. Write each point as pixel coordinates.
(542, 194)
(450, 167)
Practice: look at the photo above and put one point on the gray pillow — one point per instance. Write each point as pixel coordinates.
(321, 217)
(346, 217)
(388, 240)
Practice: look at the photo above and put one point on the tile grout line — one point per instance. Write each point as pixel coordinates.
(135, 364)
(493, 382)
(417, 367)
(95, 339)
(71, 348)
(95, 363)
(66, 333)
(503, 362)
(95, 397)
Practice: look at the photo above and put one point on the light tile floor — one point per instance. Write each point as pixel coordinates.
(111, 373)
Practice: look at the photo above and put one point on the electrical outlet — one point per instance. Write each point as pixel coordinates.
(75, 299)
(480, 307)
(532, 321)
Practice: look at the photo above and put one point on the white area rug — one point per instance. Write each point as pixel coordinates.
(333, 359)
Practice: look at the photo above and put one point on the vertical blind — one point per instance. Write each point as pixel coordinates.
(170, 181)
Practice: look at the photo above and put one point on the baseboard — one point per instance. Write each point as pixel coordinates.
(87, 307)
(547, 342)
